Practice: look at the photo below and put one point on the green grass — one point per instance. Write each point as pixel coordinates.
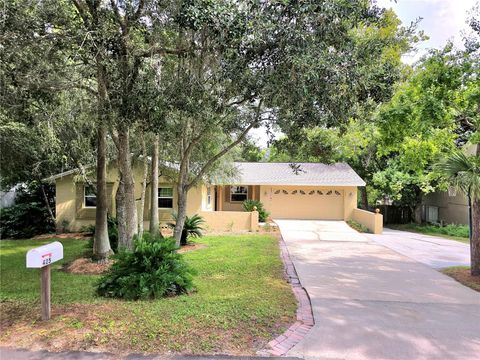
(18, 282)
(451, 231)
(241, 302)
(357, 226)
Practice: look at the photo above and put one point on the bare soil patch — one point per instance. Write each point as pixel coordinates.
(191, 247)
(73, 235)
(463, 276)
(87, 266)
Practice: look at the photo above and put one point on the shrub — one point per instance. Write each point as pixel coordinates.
(153, 270)
(450, 229)
(357, 226)
(112, 233)
(28, 216)
(192, 227)
(262, 213)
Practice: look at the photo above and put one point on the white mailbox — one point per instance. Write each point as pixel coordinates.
(45, 255)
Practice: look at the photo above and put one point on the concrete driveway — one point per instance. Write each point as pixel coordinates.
(370, 302)
(433, 251)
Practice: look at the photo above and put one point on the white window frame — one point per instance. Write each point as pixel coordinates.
(165, 197)
(209, 195)
(90, 196)
(238, 193)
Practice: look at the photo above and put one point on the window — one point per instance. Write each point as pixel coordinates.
(90, 196)
(209, 195)
(165, 198)
(238, 193)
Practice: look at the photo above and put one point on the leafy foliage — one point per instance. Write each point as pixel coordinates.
(27, 217)
(192, 227)
(153, 269)
(263, 214)
(454, 230)
(357, 226)
(462, 171)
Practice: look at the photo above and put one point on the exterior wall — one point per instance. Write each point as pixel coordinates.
(227, 205)
(327, 207)
(451, 209)
(72, 214)
(231, 220)
(373, 221)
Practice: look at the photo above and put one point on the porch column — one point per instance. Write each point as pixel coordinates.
(219, 198)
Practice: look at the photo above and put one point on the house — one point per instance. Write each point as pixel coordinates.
(445, 207)
(288, 191)
(448, 207)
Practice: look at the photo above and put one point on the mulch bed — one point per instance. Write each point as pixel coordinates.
(87, 266)
(191, 247)
(73, 235)
(463, 276)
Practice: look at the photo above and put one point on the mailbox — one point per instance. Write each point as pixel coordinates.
(41, 257)
(45, 255)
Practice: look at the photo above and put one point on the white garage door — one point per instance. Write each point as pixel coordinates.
(306, 203)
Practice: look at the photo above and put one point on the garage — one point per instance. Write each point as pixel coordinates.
(302, 202)
(310, 191)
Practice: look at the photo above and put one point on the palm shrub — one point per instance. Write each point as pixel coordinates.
(462, 171)
(192, 227)
(154, 269)
(263, 214)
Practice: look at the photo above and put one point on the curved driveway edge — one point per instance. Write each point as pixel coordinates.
(370, 302)
(285, 342)
(433, 251)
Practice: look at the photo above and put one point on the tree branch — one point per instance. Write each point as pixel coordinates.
(118, 17)
(225, 150)
(82, 10)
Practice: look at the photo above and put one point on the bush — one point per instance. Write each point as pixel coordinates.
(357, 226)
(192, 227)
(454, 230)
(112, 233)
(28, 217)
(262, 213)
(153, 270)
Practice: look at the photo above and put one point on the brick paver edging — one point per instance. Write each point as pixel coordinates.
(305, 321)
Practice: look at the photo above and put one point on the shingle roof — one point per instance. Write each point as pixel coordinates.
(315, 174)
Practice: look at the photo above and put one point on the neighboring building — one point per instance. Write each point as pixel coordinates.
(288, 191)
(449, 208)
(444, 207)
(7, 198)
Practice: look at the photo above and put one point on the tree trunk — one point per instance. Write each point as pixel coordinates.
(47, 203)
(418, 214)
(182, 212)
(475, 238)
(154, 226)
(128, 229)
(475, 232)
(364, 197)
(144, 186)
(101, 242)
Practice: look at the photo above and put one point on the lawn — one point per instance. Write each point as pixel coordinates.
(452, 232)
(241, 302)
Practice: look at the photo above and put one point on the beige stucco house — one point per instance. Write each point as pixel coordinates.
(300, 191)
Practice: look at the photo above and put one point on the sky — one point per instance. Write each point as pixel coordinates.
(442, 20)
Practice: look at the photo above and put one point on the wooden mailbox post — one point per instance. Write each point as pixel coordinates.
(41, 258)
